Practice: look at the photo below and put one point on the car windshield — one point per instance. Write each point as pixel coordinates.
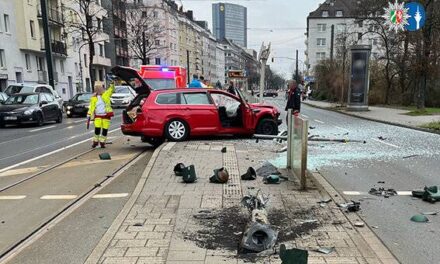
(122, 90)
(82, 97)
(14, 89)
(22, 100)
(161, 84)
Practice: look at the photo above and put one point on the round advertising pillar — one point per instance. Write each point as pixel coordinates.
(359, 78)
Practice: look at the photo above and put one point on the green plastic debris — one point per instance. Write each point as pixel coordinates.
(189, 174)
(293, 256)
(105, 156)
(420, 219)
(429, 194)
(272, 179)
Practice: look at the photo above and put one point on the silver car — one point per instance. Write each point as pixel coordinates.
(19, 88)
(122, 96)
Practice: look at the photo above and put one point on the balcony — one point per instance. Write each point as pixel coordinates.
(58, 47)
(101, 61)
(42, 76)
(55, 16)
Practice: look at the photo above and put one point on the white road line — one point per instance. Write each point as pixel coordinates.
(319, 121)
(404, 193)
(388, 144)
(110, 195)
(352, 193)
(39, 129)
(58, 197)
(50, 153)
(12, 197)
(69, 127)
(80, 121)
(305, 116)
(346, 130)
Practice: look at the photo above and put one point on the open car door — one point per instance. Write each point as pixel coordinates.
(133, 79)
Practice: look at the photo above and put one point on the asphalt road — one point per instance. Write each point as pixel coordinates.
(404, 159)
(22, 143)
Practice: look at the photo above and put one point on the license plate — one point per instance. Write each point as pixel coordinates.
(10, 118)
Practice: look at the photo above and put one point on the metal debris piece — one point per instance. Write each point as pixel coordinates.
(382, 192)
(411, 156)
(224, 149)
(419, 219)
(267, 169)
(359, 224)
(381, 182)
(178, 169)
(311, 127)
(293, 256)
(250, 175)
(309, 221)
(325, 250)
(284, 149)
(138, 224)
(325, 200)
(252, 202)
(351, 206)
(375, 227)
(381, 138)
(430, 213)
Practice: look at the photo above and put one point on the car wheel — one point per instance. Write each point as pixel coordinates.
(155, 142)
(176, 130)
(60, 117)
(40, 119)
(267, 127)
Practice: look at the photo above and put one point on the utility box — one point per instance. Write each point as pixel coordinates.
(359, 78)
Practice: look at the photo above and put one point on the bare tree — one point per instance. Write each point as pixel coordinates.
(83, 19)
(145, 31)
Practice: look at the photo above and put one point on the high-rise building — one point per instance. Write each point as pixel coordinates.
(230, 22)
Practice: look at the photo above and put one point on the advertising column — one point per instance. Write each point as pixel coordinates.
(359, 79)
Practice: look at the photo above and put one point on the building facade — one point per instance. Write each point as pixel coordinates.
(339, 14)
(230, 21)
(220, 64)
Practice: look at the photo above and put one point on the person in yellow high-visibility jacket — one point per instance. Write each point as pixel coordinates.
(100, 110)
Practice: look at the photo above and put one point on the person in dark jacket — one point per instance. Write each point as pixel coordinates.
(231, 88)
(294, 99)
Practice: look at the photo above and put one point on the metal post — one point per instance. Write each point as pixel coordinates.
(305, 131)
(332, 42)
(262, 79)
(289, 138)
(187, 66)
(296, 71)
(81, 70)
(47, 44)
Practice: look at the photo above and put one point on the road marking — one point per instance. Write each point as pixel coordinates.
(305, 116)
(346, 130)
(355, 193)
(12, 197)
(51, 153)
(404, 193)
(58, 197)
(319, 121)
(39, 129)
(80, 121)
(110, 195)
(352, 193)
(69, 127)
(21, 171)
(388, 144)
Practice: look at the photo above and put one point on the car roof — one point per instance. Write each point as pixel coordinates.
(20, 94)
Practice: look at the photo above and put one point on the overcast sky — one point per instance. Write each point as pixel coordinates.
(282, 22)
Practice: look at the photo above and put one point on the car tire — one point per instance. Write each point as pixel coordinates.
(155, 142)
(267, 126)
(176, 130)
(60, 118)
(40, 119)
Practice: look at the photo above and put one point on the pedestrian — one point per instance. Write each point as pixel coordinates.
(203, 82)
(195, 83)
(231, 88)
(101, 112)
(294, 99)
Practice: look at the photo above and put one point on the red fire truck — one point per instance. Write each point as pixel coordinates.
(160, 77)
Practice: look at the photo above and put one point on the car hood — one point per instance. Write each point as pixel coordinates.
(128, 74)
(264, 107)
(13, 108)
(120, 95)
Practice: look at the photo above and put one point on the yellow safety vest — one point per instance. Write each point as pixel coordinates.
(105, 97)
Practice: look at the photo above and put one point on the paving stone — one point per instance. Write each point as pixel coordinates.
(120, 260)
(115, 252)
(142, 252)
(184, 255)
(131, 243)
(151, 260)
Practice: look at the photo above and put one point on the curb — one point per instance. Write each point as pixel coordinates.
(100, 248)
(374, 120)
(371, 239)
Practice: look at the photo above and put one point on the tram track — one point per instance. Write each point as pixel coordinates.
(52, 220)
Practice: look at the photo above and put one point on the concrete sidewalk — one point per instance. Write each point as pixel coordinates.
(382, 114)
(167, 221)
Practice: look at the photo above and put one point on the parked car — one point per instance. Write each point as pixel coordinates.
(78, 105)
(122, 96)
(3, 97)
(178, 114)
(24, 108)
(39, 88)
(270, 93)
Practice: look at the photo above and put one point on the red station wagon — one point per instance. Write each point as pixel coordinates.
(177, 114)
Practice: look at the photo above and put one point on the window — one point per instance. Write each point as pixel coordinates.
(2, 59)
(62, 66)
(196, 99)
(322, 27)
(339, 13)
(32, 25)
(359, 36)
(157, 61)
(101, 50)
(99, 23)
(157, 42)
(155, 14)
(324, 13)
(167, 99)
(6, 19)
(85, 61)
(321, 42)
(27, 58)
(361, 23)
(40, 63)
(144, 14)
(320, 55)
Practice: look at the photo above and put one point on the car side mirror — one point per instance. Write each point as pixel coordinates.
(43, 103)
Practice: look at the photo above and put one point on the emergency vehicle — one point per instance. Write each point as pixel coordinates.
(160, 77)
